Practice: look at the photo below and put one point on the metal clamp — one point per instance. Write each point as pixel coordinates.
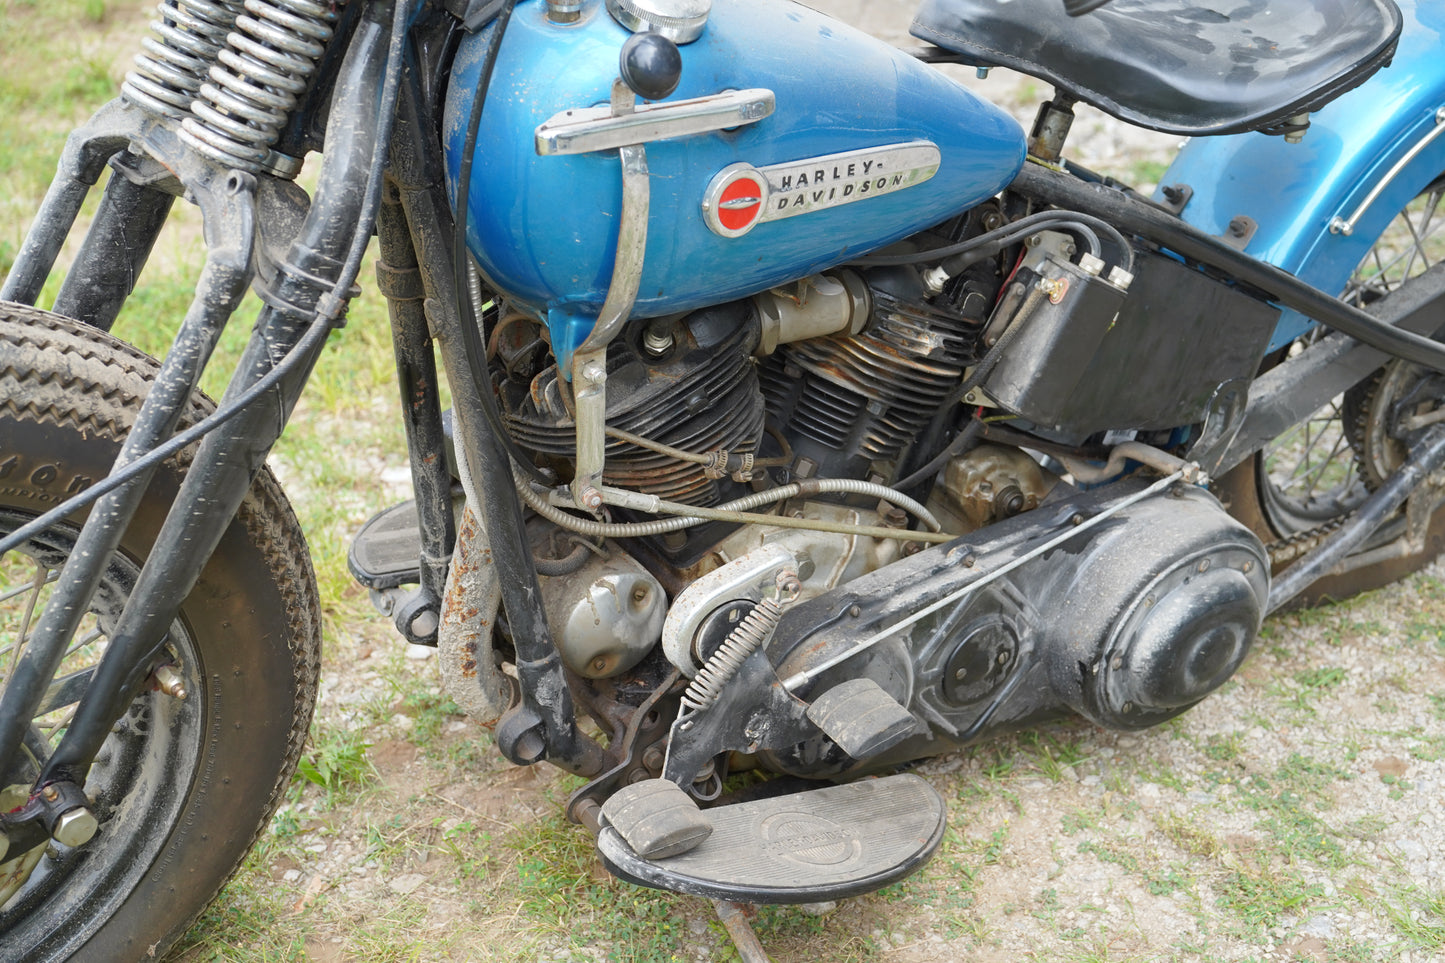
(1347, 226)
(589, 129)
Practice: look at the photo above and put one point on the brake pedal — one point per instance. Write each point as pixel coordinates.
(861, 718)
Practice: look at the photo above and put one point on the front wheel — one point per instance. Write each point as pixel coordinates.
(183, 785)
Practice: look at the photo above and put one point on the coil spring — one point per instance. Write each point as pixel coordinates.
(750, 633)
(189, 35)
(265, 67)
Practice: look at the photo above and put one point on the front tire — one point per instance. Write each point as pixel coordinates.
(182, 787)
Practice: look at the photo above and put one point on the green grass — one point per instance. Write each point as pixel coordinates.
(513, 885)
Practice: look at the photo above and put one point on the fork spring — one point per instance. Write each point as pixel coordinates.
(262, 72)
(189, 34)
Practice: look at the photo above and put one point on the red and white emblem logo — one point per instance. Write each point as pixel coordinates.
(742, 196)
(735, 200)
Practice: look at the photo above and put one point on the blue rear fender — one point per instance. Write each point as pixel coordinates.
(1294, 191)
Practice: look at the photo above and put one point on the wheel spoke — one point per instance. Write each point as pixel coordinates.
(38, 582)
(1325, 463)
(28, 587)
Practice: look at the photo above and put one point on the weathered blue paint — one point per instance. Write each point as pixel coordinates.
(1293, 191)
(544, 229)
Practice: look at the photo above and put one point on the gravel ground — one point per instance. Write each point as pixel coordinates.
(1297, 815)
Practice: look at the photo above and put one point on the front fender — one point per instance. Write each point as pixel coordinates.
(1294, 191)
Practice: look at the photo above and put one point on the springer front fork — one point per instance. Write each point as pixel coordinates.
(204, 116)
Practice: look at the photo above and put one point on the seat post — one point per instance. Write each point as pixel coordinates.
(1051, 127)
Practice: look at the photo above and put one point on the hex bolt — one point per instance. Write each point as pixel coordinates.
(654, 758)
(75, 827)
(854, 611)
(1247, 567)
(1117, 664)
(50, 794)
(958, 676)
(591, 499)
(1003, 658)
(1128, 707)
(1204, 565)
(169, 681)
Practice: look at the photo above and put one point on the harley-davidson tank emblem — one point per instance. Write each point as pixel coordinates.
(742, 196)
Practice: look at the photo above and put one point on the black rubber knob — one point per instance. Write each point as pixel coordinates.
(651, 65)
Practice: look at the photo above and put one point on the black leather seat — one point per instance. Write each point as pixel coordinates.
(1178, 66)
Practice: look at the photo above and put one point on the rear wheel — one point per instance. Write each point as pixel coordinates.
(1306, 482)
(182, 786)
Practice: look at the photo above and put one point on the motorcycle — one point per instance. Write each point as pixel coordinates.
(796, 428)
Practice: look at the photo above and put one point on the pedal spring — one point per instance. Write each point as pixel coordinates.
(751, 632)
(188, 36)
(264, 69)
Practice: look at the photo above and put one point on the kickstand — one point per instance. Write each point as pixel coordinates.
(734, 916)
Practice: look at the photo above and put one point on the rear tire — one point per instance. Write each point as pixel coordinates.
(183, 787)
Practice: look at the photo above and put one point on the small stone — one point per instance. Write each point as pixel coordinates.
(818, 909)
(291, 875)
(409, 883)
(420, 653)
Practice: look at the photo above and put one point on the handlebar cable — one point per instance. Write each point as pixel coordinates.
(1087, 226)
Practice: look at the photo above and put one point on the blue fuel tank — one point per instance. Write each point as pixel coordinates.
(544, 228)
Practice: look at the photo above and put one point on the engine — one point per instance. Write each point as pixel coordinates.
(788, 421)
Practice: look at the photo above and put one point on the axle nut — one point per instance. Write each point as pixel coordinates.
(75, 827)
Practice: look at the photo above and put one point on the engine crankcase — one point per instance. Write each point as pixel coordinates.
(1129, 622)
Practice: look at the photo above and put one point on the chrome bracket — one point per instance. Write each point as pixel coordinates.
(589, 361)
